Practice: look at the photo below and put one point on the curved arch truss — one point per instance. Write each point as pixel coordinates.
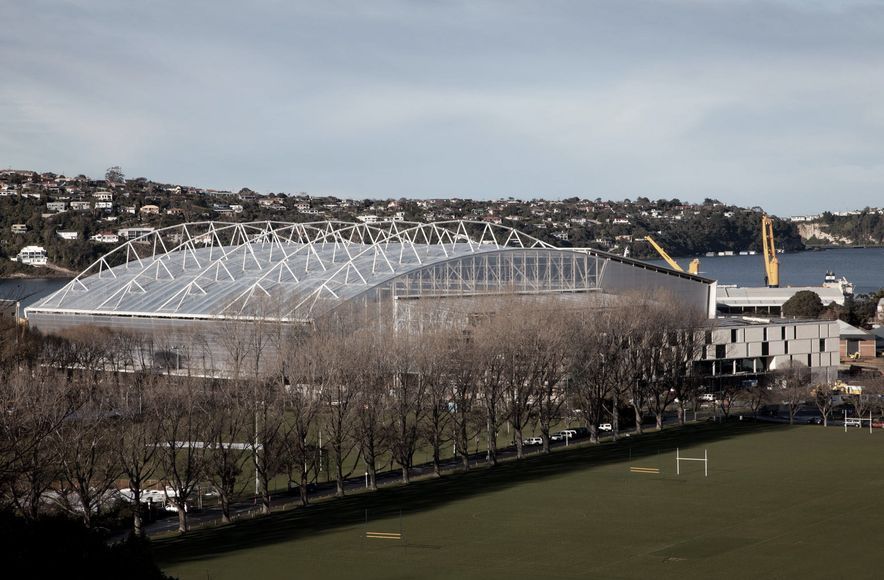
(297, 271)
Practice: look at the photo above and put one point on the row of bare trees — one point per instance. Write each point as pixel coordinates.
(83, 413)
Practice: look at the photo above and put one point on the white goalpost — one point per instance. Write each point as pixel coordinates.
(704, 459)
(857, 421)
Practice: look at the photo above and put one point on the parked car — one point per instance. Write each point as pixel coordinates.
(533, 441)
(606, 427)
(561, 435)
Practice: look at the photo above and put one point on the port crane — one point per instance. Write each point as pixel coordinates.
(771, 264)
(693, 267)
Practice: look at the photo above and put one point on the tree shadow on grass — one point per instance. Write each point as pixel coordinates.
(432, 493)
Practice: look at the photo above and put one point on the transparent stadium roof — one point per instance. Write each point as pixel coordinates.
(217, 270)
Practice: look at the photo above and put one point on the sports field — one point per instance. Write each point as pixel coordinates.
(779, 502)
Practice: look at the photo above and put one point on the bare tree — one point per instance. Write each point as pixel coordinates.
(462, 395)
(757, 396)
(35, 403)
(794, 381)
(267, 434)
(139, 437)
(183, 417)
(311, 374)
(592, 364)
(431, 369)
(405, 402)
(368, 374)
(227, 426)
(824, 398)
(88, 466)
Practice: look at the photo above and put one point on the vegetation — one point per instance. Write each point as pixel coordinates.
(804, 304)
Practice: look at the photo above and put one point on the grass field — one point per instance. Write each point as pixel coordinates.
(779, 502)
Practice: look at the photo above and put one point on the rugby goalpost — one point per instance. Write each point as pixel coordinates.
(857, 421)
(704, 459)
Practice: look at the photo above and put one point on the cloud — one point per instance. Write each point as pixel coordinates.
(759, 102)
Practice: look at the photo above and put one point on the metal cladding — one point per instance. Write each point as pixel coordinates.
(298, 271)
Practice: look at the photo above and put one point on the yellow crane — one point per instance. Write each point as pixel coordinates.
(771, 264)
(693, 267)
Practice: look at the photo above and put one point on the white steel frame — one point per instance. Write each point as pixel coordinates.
(322, 263)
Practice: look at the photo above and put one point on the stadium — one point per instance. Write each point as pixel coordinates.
(204, 276)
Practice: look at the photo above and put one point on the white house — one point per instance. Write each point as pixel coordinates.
(32, 255)
(132, 233)
(106, 238)
(368, 218)
(68, 235)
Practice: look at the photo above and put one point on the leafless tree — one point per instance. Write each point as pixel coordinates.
(431, 363)
(794, 381)
(230, 415)
(35, 402)
(311, 373)
(463, 372)
(757, 396)
(267, 434)
(88, 466)
(595, 355)
(139, 438)
(183, 416)
(367, 373)
(407, 388)
(824, 398)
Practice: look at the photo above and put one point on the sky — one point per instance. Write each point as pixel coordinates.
(777, 103)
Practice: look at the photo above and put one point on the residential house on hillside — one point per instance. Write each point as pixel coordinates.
(106, 238)
(70, 236)
(149, 210)
(19, 228)
(32, 255)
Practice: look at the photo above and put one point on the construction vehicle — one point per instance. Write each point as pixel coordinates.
(771, 264)
(693, 267)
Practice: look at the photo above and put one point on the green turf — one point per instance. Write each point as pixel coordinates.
(779, 502)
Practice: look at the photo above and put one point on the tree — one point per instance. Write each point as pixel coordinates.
(229, 418)
(804, 304)
(793, 381)
(824, 398)
(183, 417)
(114, 175)
(405, 401)
(139, 437)
(591, 363)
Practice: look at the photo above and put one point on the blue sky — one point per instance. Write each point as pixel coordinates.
(777, 103)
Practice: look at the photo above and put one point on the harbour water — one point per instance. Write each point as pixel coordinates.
(29, 290)
(862, 266)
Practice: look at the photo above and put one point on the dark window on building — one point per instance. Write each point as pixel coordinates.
(733, 335)
(708, 337)
(765, 349)
(786, 347)
(808, 360)
(783, 333)
(719, 351)
(822, 345)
